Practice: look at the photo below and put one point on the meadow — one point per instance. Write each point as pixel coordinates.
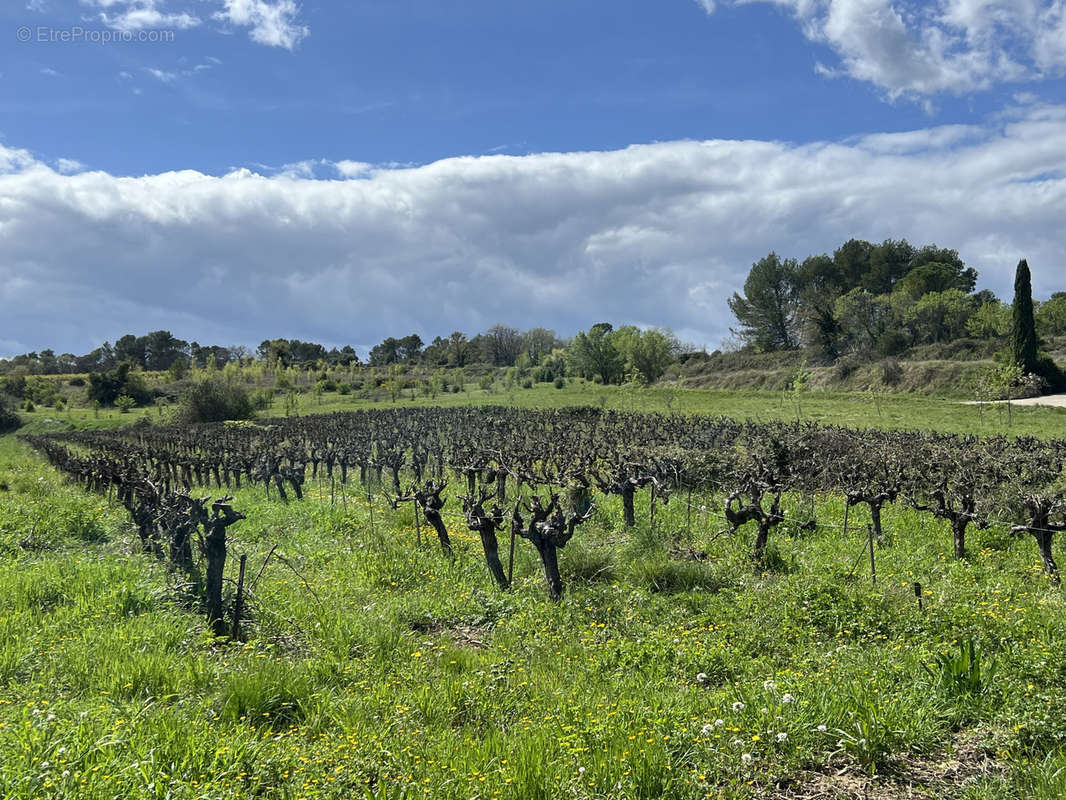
(373, 666)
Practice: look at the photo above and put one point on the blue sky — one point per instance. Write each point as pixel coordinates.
(450, 164)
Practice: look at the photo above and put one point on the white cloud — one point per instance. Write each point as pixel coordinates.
(135, 15)
(68, 166)
(162, 75)
(170, 76)
(354, 169)
(706, 5)
(271, 23)
(659, 233)
(917, 49)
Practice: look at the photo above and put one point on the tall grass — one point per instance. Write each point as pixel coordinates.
(674, 667)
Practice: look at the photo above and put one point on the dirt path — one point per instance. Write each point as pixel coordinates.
(1057, 400)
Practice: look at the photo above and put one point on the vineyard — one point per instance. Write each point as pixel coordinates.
(727, 567)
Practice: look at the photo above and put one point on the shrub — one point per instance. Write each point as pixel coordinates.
(78, 381)
(105, 387)
(214, 398)
(124, 403)
(1047, 369)
(559, 383)
(543, 374)
(891, 343)
(9, 420)
(262, 399)
(527, 384)
(845, 367)
(29, 407)
(344, 388)
(891, 372)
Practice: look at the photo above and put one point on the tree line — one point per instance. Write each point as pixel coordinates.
(603, 353)
(873, 300)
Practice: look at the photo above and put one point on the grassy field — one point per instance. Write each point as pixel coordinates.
(376, 667)
(881, 410)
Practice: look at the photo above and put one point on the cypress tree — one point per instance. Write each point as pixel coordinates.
(1023, 329)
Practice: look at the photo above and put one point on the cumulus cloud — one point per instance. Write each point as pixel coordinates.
(136, 15)
(918, 49)
(68, 166)
(273, 23)
(270, 23)
(655, 234)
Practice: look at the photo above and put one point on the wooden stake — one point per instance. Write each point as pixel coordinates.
(870, 541)
(418, 527)
(238, 602)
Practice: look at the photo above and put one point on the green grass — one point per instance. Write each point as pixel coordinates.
(376, 668)
(852, 409)
(836, 408)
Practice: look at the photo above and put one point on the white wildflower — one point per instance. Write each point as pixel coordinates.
(769, 685)
(787, 698)
(746, 758)
(738, 706)
(782, 737)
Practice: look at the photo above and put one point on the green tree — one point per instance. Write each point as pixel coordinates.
(889, 262)
(990, 320)
(937, 276)
(864, 318)
(852, 261)
(1051, 316)
(458, 348)
(767, 312)
(646, 354)
(940, 316)
(1023, 325)
(593, 353)
(539, 343)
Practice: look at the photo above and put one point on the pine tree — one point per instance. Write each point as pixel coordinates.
(1023, 329)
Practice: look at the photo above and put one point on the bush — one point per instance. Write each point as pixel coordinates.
(344, 388)
(891, 343)
(559, 383)
(214, 398)
(1052, 374)
(105, 387)
(527, 384)
(76, 381)
(891, 372)
(543, 374)
(845, 367)
(9, 420)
